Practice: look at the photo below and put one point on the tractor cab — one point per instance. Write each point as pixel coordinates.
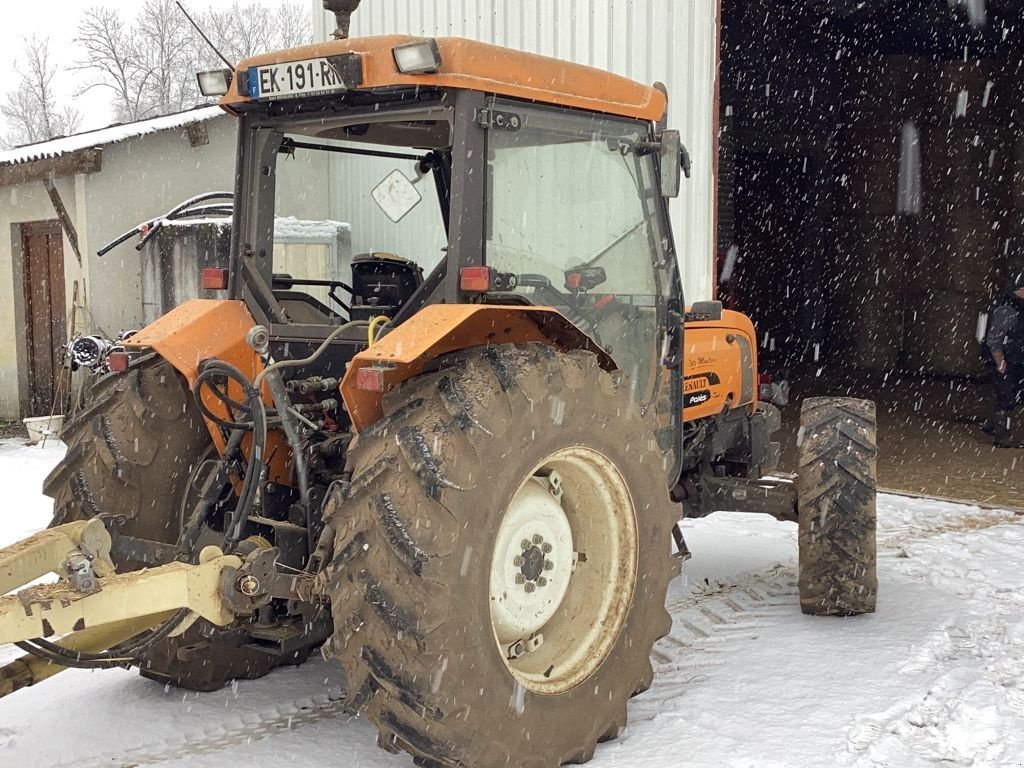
(465, 174)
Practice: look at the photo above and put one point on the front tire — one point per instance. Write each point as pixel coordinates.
(836, 488)
(506, 451)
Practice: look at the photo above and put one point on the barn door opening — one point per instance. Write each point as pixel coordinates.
(42, 249)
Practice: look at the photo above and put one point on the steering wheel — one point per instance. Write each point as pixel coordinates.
(587, 318)
(284, 281)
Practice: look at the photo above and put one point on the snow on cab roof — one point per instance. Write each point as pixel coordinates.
(104, 136)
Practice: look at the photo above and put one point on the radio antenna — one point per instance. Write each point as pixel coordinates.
(202, 34)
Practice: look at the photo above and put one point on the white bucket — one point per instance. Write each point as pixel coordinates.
(43, 426)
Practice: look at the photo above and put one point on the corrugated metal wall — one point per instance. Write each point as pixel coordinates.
(672, 41)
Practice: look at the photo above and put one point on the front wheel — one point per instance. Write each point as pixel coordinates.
(501, 561)
(836, 489)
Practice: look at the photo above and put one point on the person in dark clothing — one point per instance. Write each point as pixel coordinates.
(1005, 340)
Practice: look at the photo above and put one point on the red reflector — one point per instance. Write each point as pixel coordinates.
(573, 281)
(370, 379)
(475, 279)
(215, 279)
(117, 362)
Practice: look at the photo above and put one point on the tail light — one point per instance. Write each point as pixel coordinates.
(370, 379)
(475, 279)
(215, 279)
(118, 362)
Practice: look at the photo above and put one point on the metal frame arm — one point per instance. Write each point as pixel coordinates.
(48, 552)
(91, 595)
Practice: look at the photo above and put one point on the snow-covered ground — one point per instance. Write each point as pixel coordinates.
(935, 677)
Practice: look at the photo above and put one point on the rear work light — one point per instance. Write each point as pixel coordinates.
(214, 82)
(419, 58)
(215, 279)
(476, 279)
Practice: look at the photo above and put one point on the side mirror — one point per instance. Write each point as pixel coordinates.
(675, 161)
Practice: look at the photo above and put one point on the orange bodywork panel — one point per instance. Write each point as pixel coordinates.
(440, 329)
(198, 330)
(719, 365)
(201, 329)
(477, 66)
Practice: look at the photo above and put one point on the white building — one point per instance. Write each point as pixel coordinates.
(62, 200)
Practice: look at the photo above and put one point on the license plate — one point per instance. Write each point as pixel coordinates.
(294, 78)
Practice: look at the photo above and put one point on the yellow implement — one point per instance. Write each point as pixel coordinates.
(91, 608)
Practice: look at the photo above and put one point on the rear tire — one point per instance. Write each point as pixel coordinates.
(836, 487)
(131, 454)
(419, 583)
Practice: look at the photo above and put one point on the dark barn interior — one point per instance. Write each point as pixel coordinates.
(871, 185)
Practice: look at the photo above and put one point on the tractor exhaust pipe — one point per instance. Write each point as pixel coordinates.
(342, 10)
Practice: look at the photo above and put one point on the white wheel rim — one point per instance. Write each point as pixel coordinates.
(555, 619)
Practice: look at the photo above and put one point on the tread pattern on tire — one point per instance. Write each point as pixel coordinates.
(836, 489)
(412, 540)
(130, 454)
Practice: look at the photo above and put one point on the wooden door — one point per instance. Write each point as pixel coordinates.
(42, 248)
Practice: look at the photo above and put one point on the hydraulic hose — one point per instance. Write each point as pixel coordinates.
(371, 333)
(259, 340)
(257, 412)
(313, 357)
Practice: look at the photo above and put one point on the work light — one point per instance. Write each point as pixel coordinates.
(215, 82)
(420, 57)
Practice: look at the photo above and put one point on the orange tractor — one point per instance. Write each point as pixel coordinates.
(457, 467)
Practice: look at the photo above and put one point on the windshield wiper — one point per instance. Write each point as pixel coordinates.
(288, 146)
(604, 251)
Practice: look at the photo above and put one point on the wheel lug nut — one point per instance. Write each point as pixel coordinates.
(525, 544)
(542, 582)
(529, 587)
(548, 565)
(537, 538)
(517, 561)
(520, 579)
(546, 549)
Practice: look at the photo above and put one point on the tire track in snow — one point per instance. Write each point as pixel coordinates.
(962, 717)
(706, 624)
(241, 729)
(967, 708)
(893, 537)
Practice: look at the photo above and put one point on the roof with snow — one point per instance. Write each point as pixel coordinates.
(105, 136)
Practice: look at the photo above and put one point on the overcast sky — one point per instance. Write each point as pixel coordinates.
(58, 20)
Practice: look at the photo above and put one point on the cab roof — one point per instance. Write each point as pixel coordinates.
(472, 65)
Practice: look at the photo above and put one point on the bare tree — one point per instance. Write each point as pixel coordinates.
(148, 63)
(31, 110)
(248, 27)
(164, 36)
(110, 53)
(292, 26)
(141, 63)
